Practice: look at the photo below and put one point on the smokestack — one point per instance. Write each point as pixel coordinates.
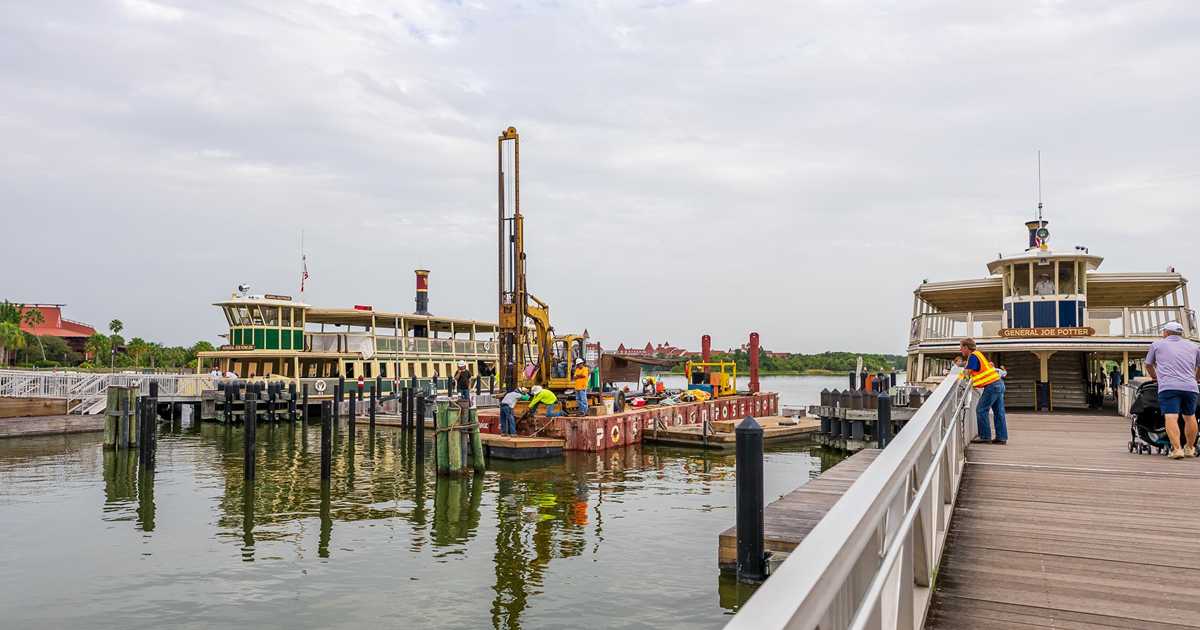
(422, 291)
(754, 362)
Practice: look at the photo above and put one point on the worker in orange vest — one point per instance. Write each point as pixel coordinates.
(989, 379)
(580, 383)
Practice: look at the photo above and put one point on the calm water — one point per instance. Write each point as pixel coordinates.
(626, 539)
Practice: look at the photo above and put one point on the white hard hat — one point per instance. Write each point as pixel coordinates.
(536, 389)
(578, 361)
(462, 364)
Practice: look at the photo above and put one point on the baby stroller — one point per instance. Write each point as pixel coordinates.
(1147, 428)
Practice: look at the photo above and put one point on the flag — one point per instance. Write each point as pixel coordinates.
(304, 271)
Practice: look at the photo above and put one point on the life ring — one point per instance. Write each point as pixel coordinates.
(319, 386)
(616, 434)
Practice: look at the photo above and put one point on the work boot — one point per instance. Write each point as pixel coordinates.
(1176, 453)
(999, 441)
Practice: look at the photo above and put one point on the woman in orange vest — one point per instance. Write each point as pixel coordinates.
(986, 377)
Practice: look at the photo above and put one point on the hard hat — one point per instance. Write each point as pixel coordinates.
(578, 361)
(462, 364)
(536, 389)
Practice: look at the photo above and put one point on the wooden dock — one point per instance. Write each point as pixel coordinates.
(521, 447)
(789, 519)
(721, 434)
(1064, 528)
(50, 425)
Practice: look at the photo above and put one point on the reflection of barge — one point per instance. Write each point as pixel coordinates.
(1051, 319)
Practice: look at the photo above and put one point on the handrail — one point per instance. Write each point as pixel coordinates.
(871, 560)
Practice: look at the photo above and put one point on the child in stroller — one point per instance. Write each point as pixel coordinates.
(1147, 427)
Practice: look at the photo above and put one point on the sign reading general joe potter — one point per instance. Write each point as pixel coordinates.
(1082, 331)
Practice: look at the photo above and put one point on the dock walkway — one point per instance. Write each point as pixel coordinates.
(1064, 528)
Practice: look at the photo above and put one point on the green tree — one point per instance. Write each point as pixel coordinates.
(116, 326)
(137, 349)
(34, 318)
(10, 313)
(98, 346)
(11, 338)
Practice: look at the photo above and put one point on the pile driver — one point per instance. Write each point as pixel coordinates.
(530, 353)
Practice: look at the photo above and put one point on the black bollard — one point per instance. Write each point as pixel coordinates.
(751, 561)
(853, 379)
(341, 389)
(378, 386)
(304, 404)
(412, 407)
(292, 402)
(883, 425)
(371, 412)
(419, 419)
(402, 406)
(154, 389)
(353, 409)
(229, 404)
(326, 437)
(271, 389)
(249, 427)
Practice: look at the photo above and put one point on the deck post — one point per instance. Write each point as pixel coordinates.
(326, 438)
(883, 421)
(249, 423)
(751, 561)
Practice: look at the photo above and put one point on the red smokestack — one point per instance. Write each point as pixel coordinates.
(422, 291)
(754, 363)
(706, 348)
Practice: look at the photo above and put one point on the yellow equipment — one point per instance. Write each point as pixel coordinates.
(529, 354)
(722, 382)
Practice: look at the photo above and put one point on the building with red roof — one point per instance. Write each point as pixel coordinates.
(55, 325)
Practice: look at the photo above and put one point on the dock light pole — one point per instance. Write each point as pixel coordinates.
(751, 560)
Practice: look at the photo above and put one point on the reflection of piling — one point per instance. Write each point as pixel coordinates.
(751, 560)
(326, 516)
(326, 437)
(250, 427)
(145, 489)
(148, 421)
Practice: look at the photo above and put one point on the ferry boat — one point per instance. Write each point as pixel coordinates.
(274, 336)
(1051, 318)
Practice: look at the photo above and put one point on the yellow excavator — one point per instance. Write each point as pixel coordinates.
(530, 353)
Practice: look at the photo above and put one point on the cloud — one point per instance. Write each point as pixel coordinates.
(687, 168)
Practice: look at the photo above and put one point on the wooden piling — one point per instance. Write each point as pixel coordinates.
(477, 459)
(250, 428)
(441, 437)
(326, 438)
(419, 419)
(371, 411)
(304, 404)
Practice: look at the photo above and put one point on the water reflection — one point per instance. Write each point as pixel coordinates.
(513, 540)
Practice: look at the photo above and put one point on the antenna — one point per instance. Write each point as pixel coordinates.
(1039, 161)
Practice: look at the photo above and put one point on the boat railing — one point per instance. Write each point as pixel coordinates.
(1118, 321)
(871, 560)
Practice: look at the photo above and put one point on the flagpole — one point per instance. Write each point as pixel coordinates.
(303, 265)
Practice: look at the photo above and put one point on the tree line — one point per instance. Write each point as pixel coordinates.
(797, 363)
(47, 351)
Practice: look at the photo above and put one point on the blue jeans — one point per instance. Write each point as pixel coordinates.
(508, 422)
(992, 399)
(581, 398)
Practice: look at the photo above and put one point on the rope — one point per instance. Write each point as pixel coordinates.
(457, 427)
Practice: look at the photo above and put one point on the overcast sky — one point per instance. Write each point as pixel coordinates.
(688, 167)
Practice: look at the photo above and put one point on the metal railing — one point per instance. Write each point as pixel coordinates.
(88, 389)
(1117, 321)
(871, 561)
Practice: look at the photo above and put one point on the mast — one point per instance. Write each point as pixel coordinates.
(510, 262)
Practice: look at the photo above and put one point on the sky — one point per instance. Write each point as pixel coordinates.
(794, 169)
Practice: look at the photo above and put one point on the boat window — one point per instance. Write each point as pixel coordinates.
(270, 315)
(1020, 275)
(255, 316)
(229, 315)
(285, 316)
(367, 370)
(383, 370)
(1066, 277)
(349, 369)
(1043, 283)
(424, 370)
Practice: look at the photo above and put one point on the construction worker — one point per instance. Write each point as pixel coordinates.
(988, 378)
(580, 384)
(508, 421)
(542, 396)
(462, 380)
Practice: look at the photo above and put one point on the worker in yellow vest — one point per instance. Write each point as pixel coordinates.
(989, 379)
(580, 383)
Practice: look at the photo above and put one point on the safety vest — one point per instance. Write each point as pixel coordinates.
(581, 377)
(986, 374)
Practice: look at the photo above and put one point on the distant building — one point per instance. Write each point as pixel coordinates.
(663, 350)
(55, 325)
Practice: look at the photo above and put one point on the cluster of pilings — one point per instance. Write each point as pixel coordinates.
(867, 414)
(457, 436)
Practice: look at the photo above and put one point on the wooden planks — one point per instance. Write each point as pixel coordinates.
(789, 519)
(50, 425)
(23, 407)
(773, 431)
(1064, 528)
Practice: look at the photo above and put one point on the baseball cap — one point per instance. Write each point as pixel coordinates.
(1174, 327)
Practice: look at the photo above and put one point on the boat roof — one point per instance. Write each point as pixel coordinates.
(980, 294)
(1103, 289)
(1093, 262)
(273, 300)
(356, 317)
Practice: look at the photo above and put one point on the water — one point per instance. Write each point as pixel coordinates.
(794, 391)
(624, 539)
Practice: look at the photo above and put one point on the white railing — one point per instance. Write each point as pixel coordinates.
(1115, 321)
(89, 388)
(871, 561)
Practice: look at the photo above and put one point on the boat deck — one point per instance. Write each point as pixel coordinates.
(722, 436)
(1064, 528)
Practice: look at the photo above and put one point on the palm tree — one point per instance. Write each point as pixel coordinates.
(116, 326)
(11, 338)
(96, 345)
(137, 347)
(33, 318)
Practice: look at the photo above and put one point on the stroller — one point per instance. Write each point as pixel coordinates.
(1147, 428)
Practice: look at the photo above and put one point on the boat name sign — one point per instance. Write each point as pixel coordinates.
(1079, 331)
(237, 346)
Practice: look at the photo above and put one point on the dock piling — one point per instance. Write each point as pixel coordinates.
(326, 437)
(292, 402)
(477, 459)
(271, 389)
(751, 560)
(420, 420)
(883, 422)
(371, 410)
(249, 429)
(353, 409)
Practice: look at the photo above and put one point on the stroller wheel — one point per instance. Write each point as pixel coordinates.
(1131, 446)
